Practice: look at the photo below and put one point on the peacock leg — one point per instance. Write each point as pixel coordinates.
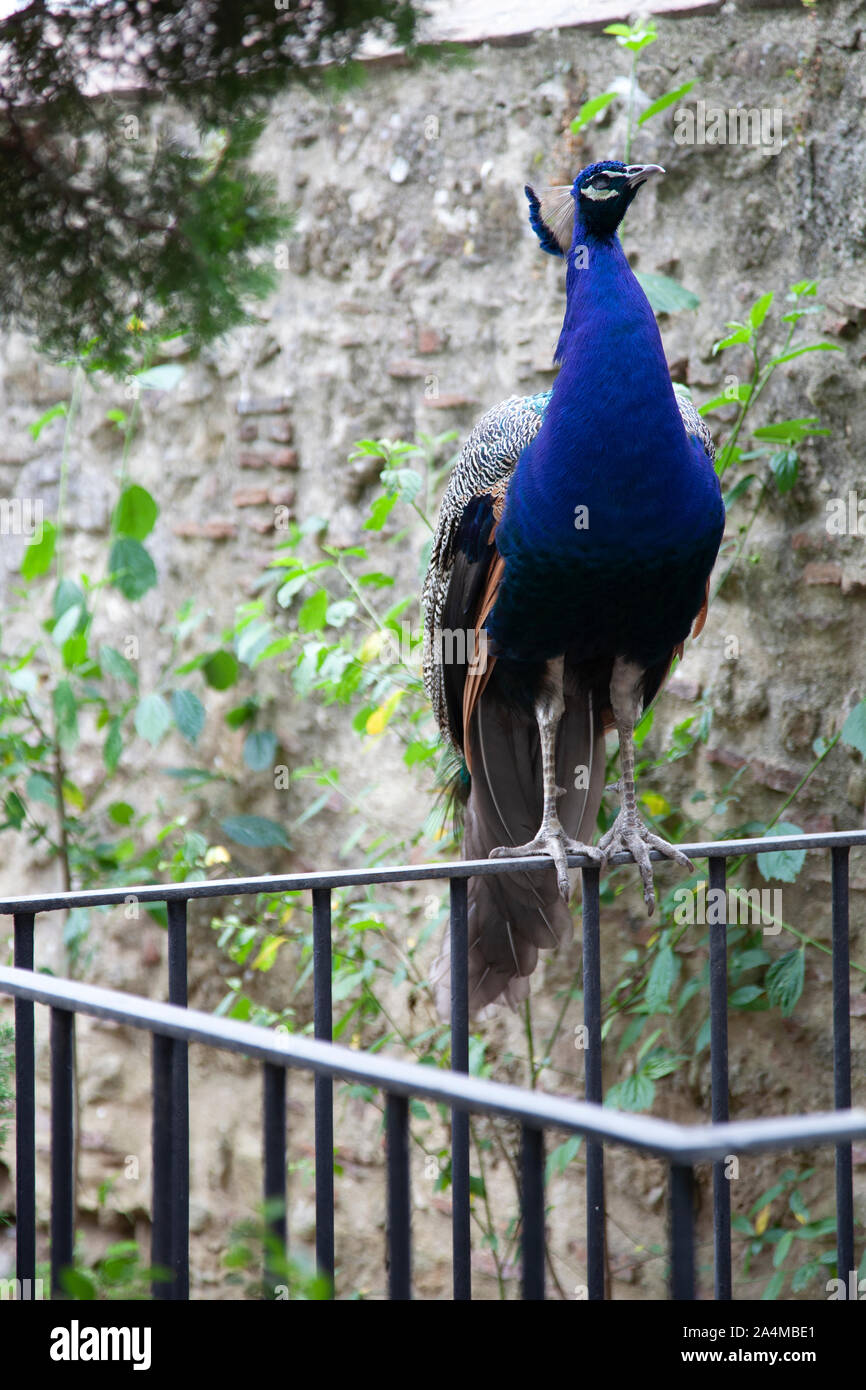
(551, 838)
(628, 832)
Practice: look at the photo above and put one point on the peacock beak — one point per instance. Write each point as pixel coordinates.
(636, 174)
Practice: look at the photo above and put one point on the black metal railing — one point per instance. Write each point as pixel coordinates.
(173, 1027)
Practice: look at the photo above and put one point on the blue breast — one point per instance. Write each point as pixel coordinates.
(614, 514)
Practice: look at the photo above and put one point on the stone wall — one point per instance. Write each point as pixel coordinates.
(413, 297)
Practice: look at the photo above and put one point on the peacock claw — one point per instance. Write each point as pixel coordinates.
(629, 835)
(552, 840)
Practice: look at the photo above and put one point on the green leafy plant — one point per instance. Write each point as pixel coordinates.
(773, 1230)
(666, 295)
(7, 1070)
(775, 444)
(634, 38)
(255, 1247)
(118, 1276)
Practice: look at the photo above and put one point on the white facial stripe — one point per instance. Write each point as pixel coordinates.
(599, 194)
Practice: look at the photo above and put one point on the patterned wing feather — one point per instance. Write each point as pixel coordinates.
(483, 469)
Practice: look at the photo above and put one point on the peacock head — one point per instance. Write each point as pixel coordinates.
(598, 200)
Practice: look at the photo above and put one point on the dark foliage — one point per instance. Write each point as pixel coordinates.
(111, 213)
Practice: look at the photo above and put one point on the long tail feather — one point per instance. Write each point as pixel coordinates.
(513, 916)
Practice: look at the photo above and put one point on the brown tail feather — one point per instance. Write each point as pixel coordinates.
(513, 916)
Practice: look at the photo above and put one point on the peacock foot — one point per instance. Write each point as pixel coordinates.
(552, 839)
(629, 835)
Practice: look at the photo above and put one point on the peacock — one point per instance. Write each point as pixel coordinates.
(571, 559)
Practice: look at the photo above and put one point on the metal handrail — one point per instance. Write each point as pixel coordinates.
(174, 1026)
(401, 873)
(678, 1143)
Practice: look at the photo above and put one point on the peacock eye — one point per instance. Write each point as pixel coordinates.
(600, 181)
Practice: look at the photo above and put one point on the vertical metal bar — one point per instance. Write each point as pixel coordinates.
(719, 1073)
(399, 1198)
(160, 1236)
(682, 1232)
(25, 1112)
(532, 1207)
(177, 954)
(177, 994)
(842, 1064)
(324, 1086)
(274, 1120)
(62, 1147)
(460, 1217)
(593, 1079)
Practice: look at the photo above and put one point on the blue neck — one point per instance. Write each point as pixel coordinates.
(610, 347)
(612, 435)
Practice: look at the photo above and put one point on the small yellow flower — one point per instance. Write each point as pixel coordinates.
(73, 795)
(378, 720)
(372, 646)
(655, 804)
(217, 854)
